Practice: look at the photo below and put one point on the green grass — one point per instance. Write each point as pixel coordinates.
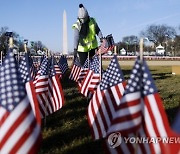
(67, 131)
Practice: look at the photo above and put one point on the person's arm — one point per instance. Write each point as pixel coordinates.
(76, 38)
(76, 41)
(98, 32)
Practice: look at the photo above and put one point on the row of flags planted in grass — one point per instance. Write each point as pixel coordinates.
(132, 108)
(30, 89)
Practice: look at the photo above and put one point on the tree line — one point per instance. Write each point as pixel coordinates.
(163, 34)
(18, 42)
(155, 35)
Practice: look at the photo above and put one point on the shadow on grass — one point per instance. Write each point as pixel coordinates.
(67, 130)
(75, 138)
(161, 76)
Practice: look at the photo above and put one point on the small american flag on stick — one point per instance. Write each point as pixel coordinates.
(19, 131)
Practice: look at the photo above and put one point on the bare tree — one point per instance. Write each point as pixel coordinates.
(159, 34)
(130, 39)
(130, 42)
(3, 39)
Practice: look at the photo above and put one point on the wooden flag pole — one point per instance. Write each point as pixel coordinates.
(141, 49)
(141, 59)
(115, 50)
(100, 67)
(88, 60)
(11, 42)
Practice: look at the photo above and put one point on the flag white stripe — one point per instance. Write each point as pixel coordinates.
(58, 93)
(41, 83)
(29, 93)
(41, 89)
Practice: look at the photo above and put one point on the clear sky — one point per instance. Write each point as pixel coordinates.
(43, 19)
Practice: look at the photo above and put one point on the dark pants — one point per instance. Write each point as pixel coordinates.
(83, 56)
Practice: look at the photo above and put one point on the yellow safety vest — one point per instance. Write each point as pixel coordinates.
(90, 41)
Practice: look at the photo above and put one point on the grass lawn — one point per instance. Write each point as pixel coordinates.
(67, 131)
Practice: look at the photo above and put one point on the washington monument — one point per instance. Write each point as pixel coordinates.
(65, 40)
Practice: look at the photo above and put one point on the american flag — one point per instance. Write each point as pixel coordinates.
(76, 68)
(63, 64)
(92, 78)
(19, 130)
(55, 92)
(57, 69)
(128, 116)
(144, 110)
(41, 87)
(48, 89)
(106, 99)
(105, 47)
(83, 72)
(24, 69)
(41, 79)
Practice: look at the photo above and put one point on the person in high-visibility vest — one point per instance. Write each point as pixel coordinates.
(85, 31)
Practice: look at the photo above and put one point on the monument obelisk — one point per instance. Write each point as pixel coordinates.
(65, 40)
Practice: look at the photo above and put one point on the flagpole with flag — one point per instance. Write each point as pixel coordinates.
(20, 132)
(100, 65)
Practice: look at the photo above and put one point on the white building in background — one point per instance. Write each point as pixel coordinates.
(160, 50)
(65, 39)
(123, 52)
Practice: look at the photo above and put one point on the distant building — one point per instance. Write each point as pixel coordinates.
(160, 50)
(123, 52)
